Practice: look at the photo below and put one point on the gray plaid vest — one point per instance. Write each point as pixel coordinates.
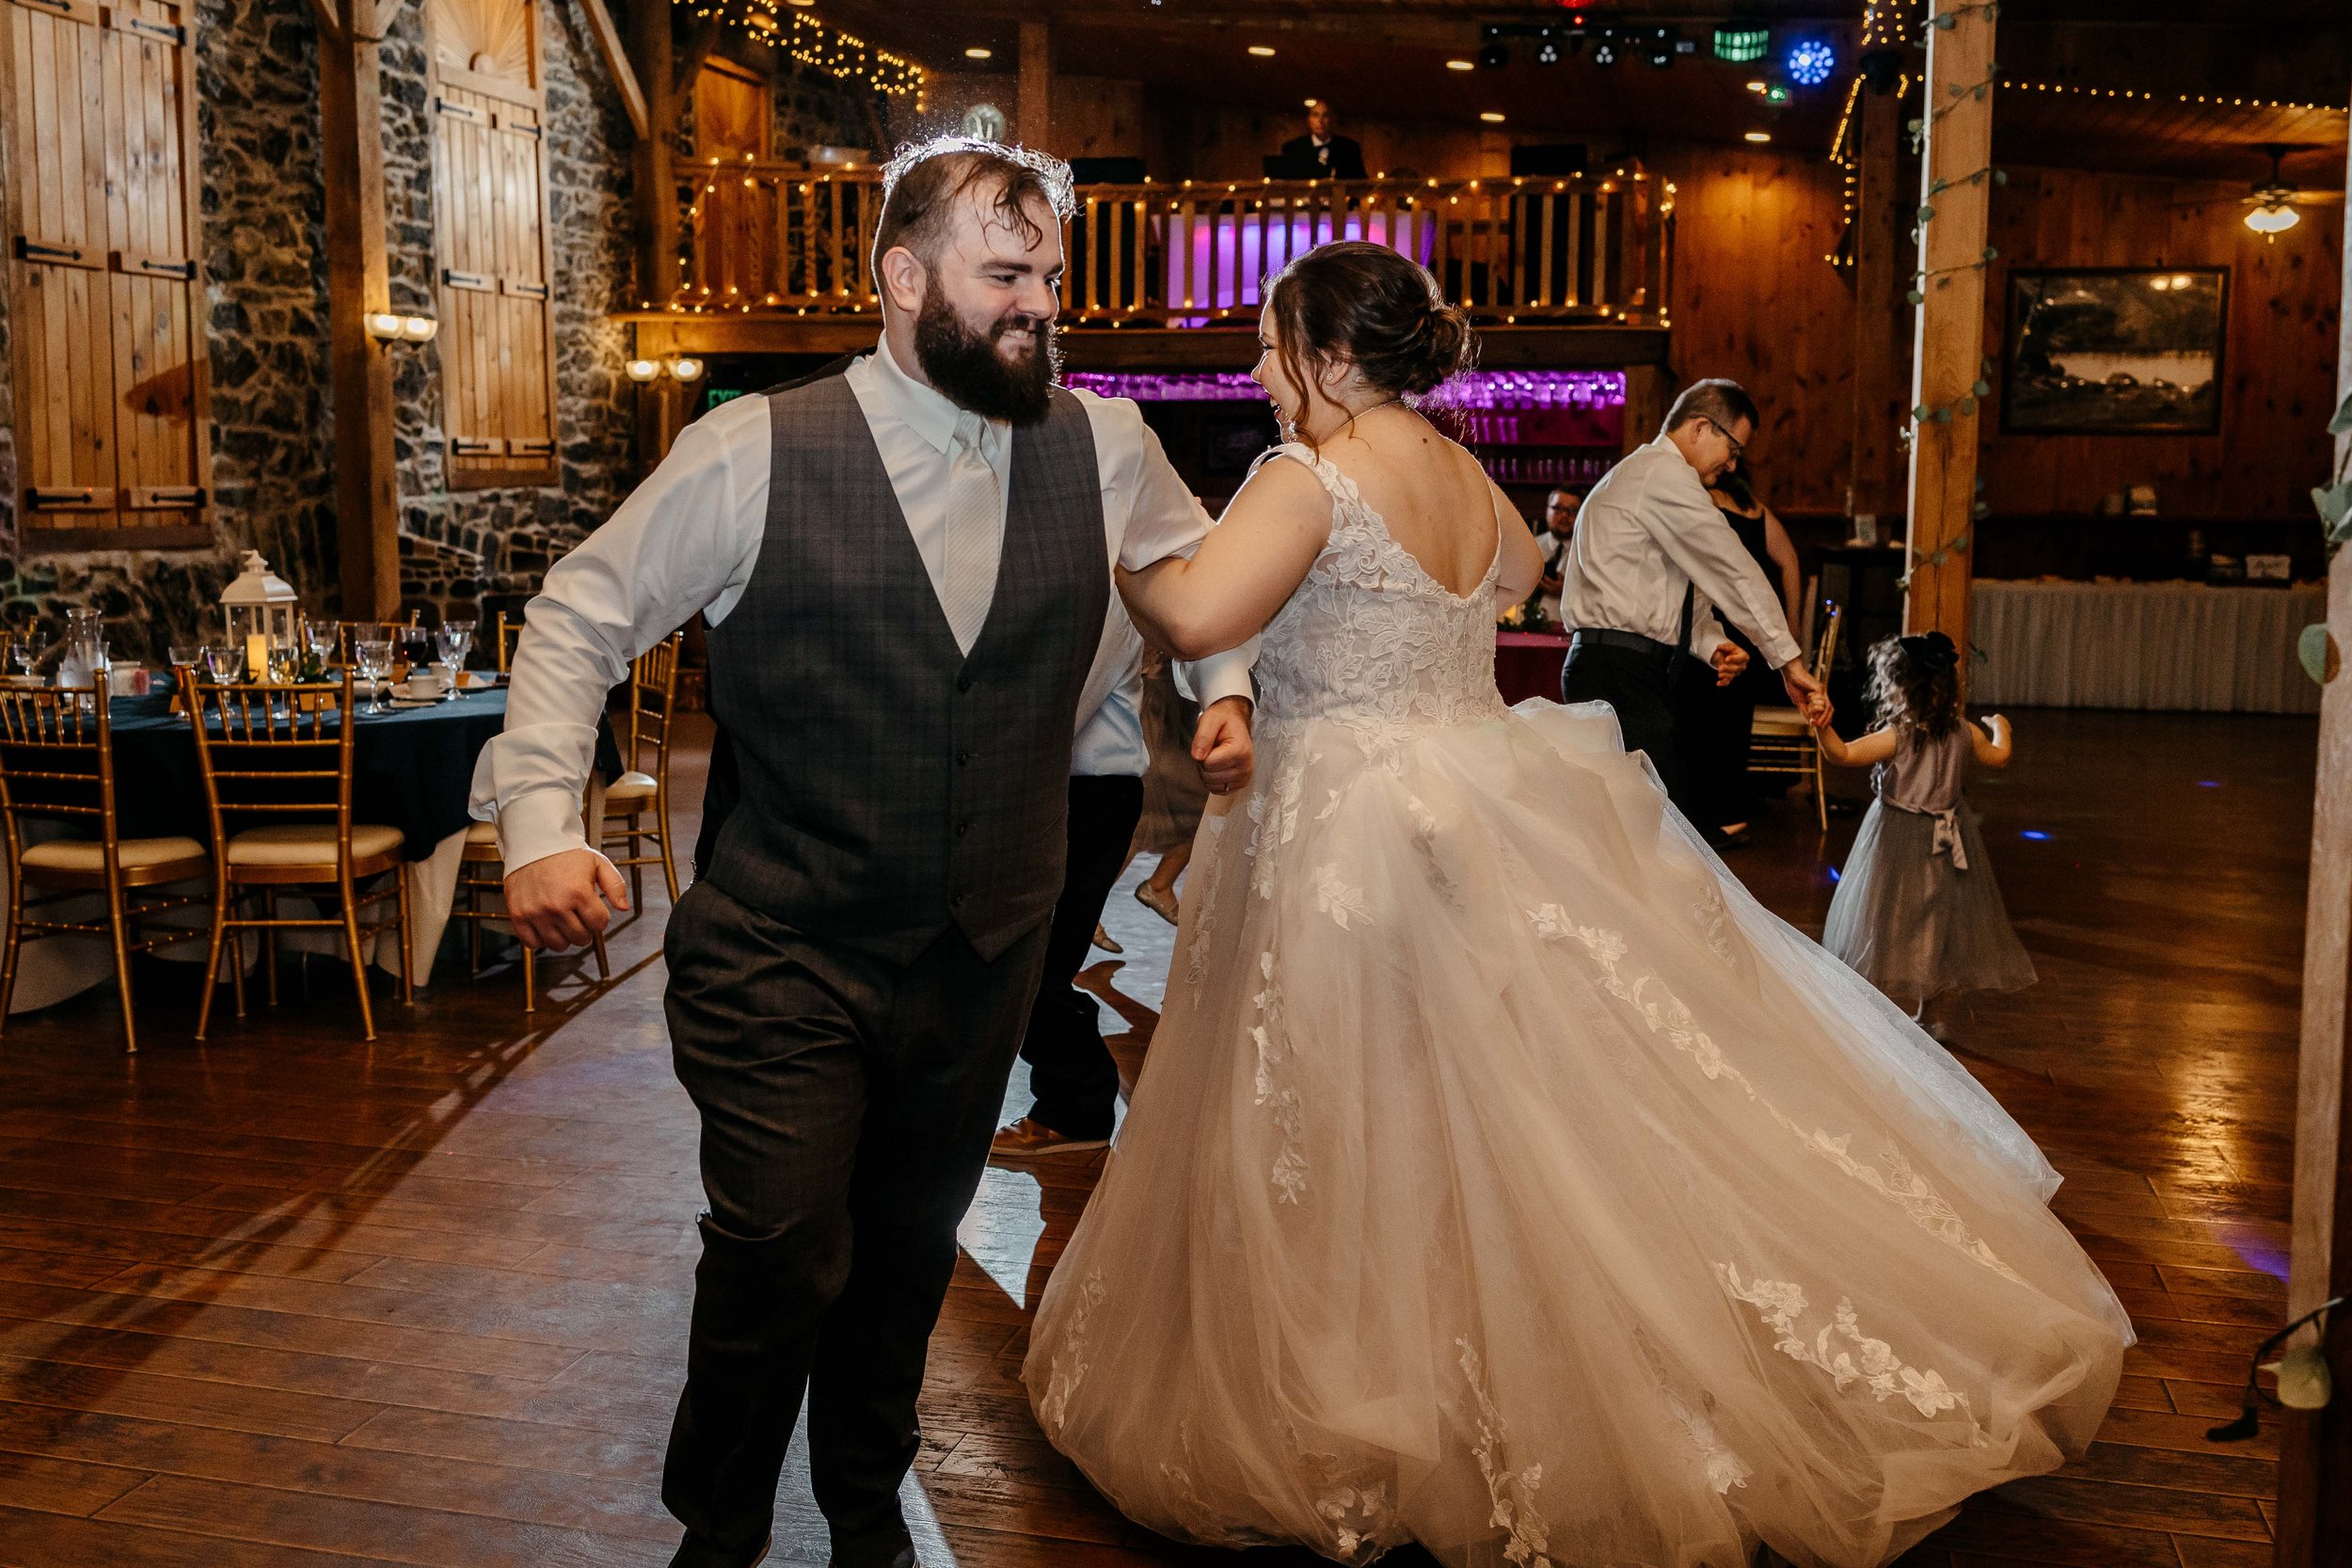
(891, 786)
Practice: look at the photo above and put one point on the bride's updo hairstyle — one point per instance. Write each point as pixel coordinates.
(1372, 306)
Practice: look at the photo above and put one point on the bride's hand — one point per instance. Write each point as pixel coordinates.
(1222, 747)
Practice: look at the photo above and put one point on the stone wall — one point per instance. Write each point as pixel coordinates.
(458, 546)
(264, 313)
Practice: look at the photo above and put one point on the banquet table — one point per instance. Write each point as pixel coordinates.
(412, 769)
(2181, 646)
(1527, 664)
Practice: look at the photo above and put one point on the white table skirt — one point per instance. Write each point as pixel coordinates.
(2180, 647)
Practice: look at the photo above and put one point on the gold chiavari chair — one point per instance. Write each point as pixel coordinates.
(353, 631)
(286, 751)
(1781, 743)
(482, 870)
(510, 630)
(57, 766)
(652, 720)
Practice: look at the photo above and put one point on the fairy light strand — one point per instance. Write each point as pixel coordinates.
(814, 43)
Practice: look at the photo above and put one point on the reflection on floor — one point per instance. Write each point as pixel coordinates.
(288, 1301)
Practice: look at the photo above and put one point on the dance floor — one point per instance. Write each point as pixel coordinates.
(291, 1301)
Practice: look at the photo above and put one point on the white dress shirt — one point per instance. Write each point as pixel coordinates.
(1649, 528)
(688, 537)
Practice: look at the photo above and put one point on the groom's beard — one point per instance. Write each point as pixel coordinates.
(965, 366)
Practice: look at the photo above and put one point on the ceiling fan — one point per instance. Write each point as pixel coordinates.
(2272, 205)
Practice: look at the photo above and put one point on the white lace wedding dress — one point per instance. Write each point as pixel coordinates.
(1504, 1177)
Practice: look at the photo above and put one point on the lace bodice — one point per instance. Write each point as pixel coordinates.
(1369, 636)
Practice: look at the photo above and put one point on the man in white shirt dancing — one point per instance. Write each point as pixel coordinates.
(905, 568)
(1649, 558)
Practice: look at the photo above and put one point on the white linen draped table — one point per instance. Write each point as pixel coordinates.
(2176, 646)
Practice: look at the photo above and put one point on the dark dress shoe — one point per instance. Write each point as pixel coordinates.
(697, 1552)
(905, 1559)
(1718, 839)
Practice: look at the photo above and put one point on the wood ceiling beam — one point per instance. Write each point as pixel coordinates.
(616, 61)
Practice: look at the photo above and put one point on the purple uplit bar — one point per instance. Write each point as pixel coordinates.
(1591, 390)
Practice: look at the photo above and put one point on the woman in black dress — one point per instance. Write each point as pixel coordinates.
(1713, 723)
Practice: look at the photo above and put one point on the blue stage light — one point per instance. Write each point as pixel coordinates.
(1810, 62)
(2209, 784)
(2036, 834)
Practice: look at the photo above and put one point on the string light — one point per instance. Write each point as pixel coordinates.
(2211, 101)
(815, 43)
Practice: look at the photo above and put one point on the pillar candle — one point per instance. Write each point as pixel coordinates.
(256, 657)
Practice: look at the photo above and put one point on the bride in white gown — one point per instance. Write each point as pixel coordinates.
(1503, 1177)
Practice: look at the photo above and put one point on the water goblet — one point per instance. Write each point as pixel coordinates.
(323, 639)
(372, 656)
(224, 663)
(450, 644)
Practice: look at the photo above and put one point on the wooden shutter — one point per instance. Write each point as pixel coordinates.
(111, 374)
(490, 210)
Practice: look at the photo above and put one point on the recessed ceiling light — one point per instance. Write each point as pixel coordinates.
(1312, 101)
(979, 53)
(1264, 50)
(1491, 117)
(1461, 65)
(1757, 86)
(1759, 136)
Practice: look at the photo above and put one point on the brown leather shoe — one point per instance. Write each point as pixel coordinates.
(1105, 941)
(1028, 1138)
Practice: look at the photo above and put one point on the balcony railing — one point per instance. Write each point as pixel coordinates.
(768, 239)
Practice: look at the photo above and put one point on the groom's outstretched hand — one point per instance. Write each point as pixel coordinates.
(1805, 693)
(561, 900)
(1222, 747)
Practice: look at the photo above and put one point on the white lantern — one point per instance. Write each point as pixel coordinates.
(260, 603)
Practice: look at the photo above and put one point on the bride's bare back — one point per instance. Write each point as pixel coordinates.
(1438, 502)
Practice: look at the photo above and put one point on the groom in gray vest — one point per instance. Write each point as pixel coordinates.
(905, 561)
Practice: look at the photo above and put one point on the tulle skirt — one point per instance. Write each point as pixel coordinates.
(1910, 923)
(1502, 1177)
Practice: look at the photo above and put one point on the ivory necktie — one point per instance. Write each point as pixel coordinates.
(975, 532)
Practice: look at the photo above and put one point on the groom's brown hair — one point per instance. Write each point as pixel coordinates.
(923, 183)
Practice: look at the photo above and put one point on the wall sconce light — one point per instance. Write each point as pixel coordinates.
(386, 327)
(687, 369)
(642, 371)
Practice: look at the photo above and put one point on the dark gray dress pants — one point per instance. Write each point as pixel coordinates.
(846, 1105)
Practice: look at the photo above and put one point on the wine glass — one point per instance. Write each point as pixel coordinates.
(323, 639)
(450, 642)
(21, 654)
(285, 667)
(224, 663)
(371, 658)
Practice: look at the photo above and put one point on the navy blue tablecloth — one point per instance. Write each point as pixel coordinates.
(412, 769)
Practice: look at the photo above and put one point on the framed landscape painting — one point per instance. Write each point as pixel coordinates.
(2114, 351)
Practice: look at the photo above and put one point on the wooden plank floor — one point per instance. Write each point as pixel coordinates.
(291, 1301)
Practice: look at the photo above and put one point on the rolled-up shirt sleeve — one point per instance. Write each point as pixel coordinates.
(685, 540)
(1692, 532)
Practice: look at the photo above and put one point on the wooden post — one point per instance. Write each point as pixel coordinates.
(2315, 1449)
(1947, 343)
(367, 488)
(1648, 392)
(1037, 86)
(655, 183)
(1876, 487)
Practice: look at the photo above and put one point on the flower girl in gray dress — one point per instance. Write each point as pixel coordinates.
(1918, 913)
